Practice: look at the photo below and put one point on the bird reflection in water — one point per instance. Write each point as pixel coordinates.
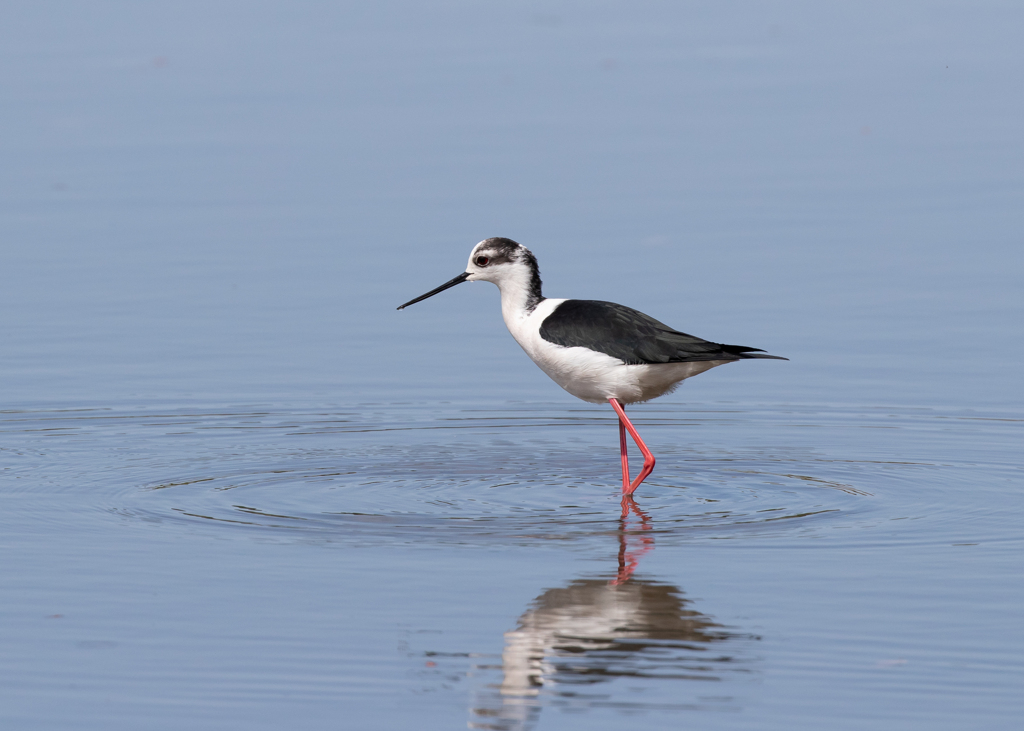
(594, 631)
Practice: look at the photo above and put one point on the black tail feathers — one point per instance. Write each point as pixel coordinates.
(745, 352)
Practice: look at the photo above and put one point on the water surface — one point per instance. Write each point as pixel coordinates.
(240, 491)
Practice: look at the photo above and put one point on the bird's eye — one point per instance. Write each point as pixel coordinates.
(482, 261)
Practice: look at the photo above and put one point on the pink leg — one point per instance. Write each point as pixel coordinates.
(626, 425)
(625, 458)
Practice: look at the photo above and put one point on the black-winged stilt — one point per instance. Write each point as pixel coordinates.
(597, 351)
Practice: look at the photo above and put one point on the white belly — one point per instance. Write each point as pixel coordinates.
(593, 376)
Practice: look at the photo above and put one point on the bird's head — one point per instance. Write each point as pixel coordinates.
(497, 260)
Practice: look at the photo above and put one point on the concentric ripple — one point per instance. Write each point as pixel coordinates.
(520, 473)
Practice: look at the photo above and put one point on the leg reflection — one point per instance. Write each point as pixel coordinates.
(632, 544)
(618, 632)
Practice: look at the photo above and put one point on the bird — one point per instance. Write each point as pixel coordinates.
(600, 352)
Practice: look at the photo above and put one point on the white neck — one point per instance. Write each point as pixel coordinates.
(518, 299)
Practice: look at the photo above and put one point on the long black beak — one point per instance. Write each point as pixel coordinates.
(447, 285)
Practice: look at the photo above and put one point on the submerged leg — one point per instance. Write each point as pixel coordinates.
(626, 425)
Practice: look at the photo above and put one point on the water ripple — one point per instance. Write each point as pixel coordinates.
(519, 473)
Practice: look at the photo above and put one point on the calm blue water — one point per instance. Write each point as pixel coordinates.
(239, 490)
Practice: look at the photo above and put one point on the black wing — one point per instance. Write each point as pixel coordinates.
(632, 336)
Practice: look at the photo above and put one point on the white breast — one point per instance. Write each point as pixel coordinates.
(588, 374)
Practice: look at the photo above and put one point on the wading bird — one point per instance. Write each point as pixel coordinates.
(597, 351)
